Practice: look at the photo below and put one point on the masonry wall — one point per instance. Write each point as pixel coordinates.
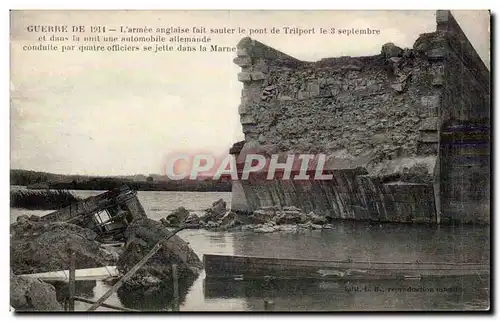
(359, 106)
(466, 98)
(464, 127)
(362, 111)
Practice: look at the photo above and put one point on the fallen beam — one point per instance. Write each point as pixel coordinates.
(100, 273)
(72, 280)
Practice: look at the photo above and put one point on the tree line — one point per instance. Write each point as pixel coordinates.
(43, 180)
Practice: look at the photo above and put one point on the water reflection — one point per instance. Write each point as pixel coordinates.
(159, 298)
(310, 295)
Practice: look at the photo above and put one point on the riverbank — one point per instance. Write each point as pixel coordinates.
(42, 199)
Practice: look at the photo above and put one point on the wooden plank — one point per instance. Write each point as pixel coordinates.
(221, 266)
(100, 273)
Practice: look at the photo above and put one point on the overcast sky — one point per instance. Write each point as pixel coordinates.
(121, 113)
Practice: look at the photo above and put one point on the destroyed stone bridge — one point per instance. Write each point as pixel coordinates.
(406, 131)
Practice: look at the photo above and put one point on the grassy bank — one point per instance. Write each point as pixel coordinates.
(42, 180)
(41, 200)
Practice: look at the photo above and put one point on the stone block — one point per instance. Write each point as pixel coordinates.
(242, 109)
(257, 76)
(244, 77)
(381, 138)
(431, 104)
(390, 50)
(435, 54)
(335, 91)
(428, 137)
(399, 87)
(302, 95)
(395, 60)
(249, 129)
(260, 66)
(351, 67)
(243, 61)
(241, 52)
(438, 80)
(429, 124)
(313, 89)
(284, 98)
(427, 148)
(247, 119)
(438, 75)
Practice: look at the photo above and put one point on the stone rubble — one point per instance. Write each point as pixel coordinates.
(142, 235)
(263, 220)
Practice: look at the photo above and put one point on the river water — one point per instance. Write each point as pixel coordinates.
(347, 240)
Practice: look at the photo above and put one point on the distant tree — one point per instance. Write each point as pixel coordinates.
(150, 179)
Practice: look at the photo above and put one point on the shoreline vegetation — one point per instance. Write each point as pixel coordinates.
(42, 199)
(41, 180)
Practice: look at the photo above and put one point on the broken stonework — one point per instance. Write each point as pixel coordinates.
(175, 218)
(390, 50)
(216, 212)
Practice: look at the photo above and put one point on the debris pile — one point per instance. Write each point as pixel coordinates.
(218, 217)
(142, 235)
(287, 219)
(42, 247)
(45, 244)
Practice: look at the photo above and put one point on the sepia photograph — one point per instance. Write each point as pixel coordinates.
(250, 161)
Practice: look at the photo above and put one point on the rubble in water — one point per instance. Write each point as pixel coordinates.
(216, 212)
(263, 220)
(177, 217)
(287, 219)
(217, 217)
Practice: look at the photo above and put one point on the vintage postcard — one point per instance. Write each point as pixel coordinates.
(176, 161)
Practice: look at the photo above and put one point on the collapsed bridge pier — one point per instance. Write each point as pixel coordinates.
(406, 131)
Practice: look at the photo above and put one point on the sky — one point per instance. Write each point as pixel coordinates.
(105, 113)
